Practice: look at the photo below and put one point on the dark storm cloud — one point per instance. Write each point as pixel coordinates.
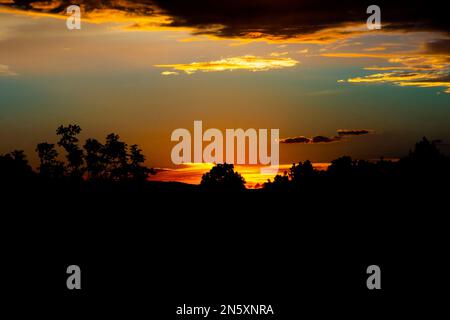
(276, 19)
(138, 7)
(288, 18)
(438, 46)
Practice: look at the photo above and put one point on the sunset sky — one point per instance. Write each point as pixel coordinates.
(144, 68)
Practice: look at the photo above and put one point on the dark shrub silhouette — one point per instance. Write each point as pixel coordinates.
(222, 177)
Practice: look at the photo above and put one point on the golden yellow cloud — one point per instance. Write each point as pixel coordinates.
(417, 69)
(396, 77)
(279, 54)
(250, 63)
(45, 5)
(169, 73)
(126, 20)
(427, 84)
(375, 49)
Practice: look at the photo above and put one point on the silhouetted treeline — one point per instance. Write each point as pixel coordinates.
(424, 167)
(92, 164)
(105, 166)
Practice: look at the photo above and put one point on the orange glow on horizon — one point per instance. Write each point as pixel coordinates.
(191, 173)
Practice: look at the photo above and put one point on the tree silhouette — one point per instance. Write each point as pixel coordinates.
(116, 158)
(14, 167)
(95, 160)
(50, 167)
(137, 170)
(69, 142)
(222, 177)
(114, 163)
(425, 153)
(280, 183)
(425, 161)
(302, 174)
(342, 167)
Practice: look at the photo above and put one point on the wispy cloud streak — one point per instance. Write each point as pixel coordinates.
(250, 63)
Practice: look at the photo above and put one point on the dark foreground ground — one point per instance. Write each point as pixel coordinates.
(143, 254)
